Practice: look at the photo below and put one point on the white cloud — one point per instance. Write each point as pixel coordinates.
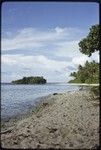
(80, 60)
(67, 49)
(38, 65)
(60, 43)
(52, 70)
(39, 62)
(60, 30)
(30, 38)
(18, 43)
(95, 56)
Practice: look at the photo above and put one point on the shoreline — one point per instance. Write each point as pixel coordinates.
(84, 84)
(39, 99)
(58, 83)
(60, 120)
(32, 107)
(29, 111)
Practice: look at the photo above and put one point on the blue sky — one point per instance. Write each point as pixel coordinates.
(41, 38)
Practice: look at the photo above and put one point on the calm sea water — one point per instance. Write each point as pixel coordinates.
(17, 99)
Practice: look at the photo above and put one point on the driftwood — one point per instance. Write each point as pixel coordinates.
(6, 131)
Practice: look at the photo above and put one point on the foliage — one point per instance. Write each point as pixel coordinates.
(30, 80)
(90, 72)
(91, 43)
(87, 74)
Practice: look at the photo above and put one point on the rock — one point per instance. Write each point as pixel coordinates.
(15, 142)
(52, 130)
(38, 146)
(55, 93)
(45, 104)
(80, 129)
(71, 144)
(96, 147)
(81, 89)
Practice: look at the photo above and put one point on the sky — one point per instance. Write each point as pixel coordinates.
(41, 38)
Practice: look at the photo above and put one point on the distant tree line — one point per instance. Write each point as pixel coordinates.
(90, 72)
(30, 80)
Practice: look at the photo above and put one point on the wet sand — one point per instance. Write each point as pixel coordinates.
(63, 120)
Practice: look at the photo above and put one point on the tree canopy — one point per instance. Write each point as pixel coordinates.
(91, 43)
(30, 80)
(90, 72)
(87, 74)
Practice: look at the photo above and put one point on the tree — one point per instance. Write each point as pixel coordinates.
(87, 74)
(91, 43)
(31, 80)
(80, 67)
(90, 72)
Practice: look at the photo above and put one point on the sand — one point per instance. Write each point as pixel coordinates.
(65, 120)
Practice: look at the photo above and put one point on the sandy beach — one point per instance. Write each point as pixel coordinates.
(67, 120)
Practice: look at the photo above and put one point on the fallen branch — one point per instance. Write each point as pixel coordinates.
(5, 131)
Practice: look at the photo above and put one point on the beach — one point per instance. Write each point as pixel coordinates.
(67, 120)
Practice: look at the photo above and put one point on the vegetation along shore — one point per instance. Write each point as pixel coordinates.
(30, 80)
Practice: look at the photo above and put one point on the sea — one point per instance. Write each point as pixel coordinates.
(18, 98)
